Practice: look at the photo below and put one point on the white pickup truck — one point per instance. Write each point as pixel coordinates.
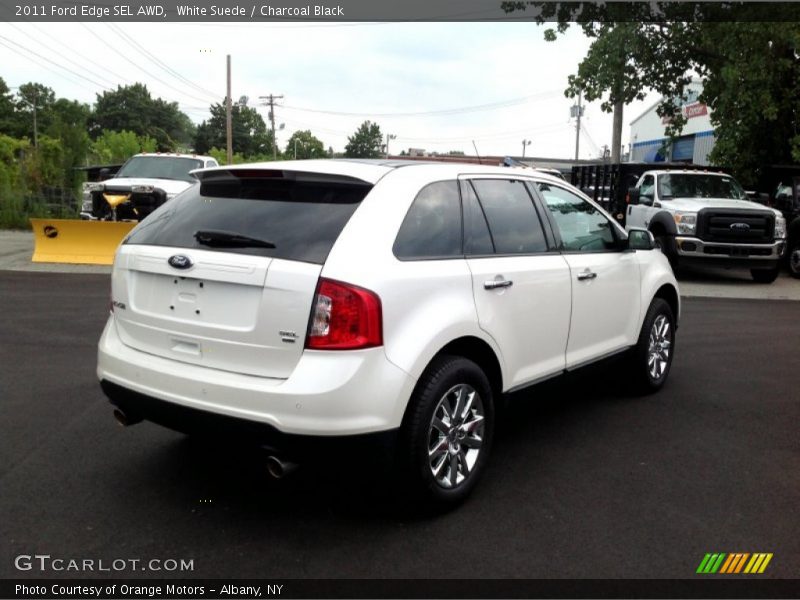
(700, 217)
(141, 185)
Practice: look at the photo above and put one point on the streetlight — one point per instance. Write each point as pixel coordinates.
(525, 143)
(389, 136)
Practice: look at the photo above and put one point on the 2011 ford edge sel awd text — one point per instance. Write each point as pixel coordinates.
(336, 298)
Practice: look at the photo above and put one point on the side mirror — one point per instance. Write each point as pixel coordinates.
(103, 174)
(641, 239)
(633, 196)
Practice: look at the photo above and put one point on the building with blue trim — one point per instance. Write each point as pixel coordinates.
(650, 144)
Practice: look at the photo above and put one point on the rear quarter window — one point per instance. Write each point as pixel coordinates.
(432, 227)
(301, 218)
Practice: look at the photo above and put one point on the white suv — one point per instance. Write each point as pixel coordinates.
(312, 299)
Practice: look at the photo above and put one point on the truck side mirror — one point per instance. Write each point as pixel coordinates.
(641, 239)
(633, 196)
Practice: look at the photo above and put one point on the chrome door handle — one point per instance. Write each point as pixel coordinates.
(494, 284)
(586, 275)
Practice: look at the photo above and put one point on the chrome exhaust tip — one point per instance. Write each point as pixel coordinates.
(278, 468)
(124, 419)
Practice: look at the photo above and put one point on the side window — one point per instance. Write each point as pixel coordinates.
(582, 227)
(432, 227)
(211, 163)
(647, 187)
(512, 218)
(477, 238)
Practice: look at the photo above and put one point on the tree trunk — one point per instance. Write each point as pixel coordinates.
(616, 138)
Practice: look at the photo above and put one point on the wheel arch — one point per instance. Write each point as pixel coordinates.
(669, 294)
(663, 222)
(479, 352)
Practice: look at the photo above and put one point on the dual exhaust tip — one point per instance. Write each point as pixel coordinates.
(276, 467)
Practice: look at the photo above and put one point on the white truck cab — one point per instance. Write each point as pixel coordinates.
(705, 217)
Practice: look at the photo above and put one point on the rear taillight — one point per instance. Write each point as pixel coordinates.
(344, 317)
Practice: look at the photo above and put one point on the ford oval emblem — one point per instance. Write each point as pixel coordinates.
(180, 261)
(740, 226)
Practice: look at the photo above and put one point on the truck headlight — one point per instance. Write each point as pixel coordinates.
(142, 189)
(685, 222)
(94, 186)
(780, 227)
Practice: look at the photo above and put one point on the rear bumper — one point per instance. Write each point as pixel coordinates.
(221, 427)
(328, 393)
(696, 251)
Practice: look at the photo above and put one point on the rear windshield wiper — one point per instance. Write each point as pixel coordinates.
(229, 239)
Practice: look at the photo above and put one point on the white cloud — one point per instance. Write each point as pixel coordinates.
(365, 68)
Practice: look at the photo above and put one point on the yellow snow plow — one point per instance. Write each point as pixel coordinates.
(77, 242)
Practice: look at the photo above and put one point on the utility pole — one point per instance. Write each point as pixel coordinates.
(577, 112)
(35, 129)
(229, 116)
(270, 101)
(524, 144)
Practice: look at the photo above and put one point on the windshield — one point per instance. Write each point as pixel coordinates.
(700, 185)
(160, 167)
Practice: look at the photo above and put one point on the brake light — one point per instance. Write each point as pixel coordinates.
(344, 317)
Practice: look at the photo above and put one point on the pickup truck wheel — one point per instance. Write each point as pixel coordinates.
(447, 432)
(650, 360)
(664, 245)
(764, 275)
(794, 259)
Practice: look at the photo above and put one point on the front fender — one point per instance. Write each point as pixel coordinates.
(665, 220)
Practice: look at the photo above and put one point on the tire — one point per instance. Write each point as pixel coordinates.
(764, 275)
(794, 259)
(663, 244)
(651, 359)
(440, 463)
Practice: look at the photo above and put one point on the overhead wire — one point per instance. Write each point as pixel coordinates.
(161, 64)
(144, 70)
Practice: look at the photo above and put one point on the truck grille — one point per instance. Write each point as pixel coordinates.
(735, 226)
(143, 204)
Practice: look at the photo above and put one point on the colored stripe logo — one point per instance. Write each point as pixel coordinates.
(736, 563)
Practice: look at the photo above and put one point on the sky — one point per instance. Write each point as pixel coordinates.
(435, 86)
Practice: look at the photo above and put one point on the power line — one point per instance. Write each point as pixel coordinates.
(62, 56)
(441, 112)
(60, 66)
(142, 69)
(33, 60)
(158, 62)
(83, 57)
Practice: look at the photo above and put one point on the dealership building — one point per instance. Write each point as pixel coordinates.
(649, 142)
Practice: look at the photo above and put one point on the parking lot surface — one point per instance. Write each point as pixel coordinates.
(584, 481)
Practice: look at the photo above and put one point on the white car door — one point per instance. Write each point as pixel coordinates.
(605, 278)
(521, 284)
(639, 215)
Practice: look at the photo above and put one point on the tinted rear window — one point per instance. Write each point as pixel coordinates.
(301, 218)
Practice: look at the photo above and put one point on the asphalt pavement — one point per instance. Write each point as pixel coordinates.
(585, 481)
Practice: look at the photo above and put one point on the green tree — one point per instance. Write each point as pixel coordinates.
(118, 146)
(749, 67)
(366, 142)
(250, 136)
(132, 108)
(68, 124)
(302, 145)
(8, 117)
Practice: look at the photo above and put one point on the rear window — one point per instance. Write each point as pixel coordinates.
(301, 217)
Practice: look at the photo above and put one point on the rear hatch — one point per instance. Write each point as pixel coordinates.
(224, 275)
